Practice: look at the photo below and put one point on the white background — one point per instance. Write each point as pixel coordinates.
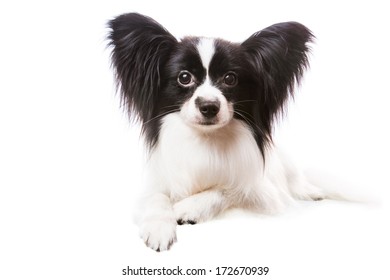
(71, 164)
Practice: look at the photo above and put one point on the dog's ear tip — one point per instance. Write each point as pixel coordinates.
(139, 26)
(284, 30)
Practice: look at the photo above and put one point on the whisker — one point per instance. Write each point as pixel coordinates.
(171, 106)
(160, 115)
(243, 101)
(242, 114)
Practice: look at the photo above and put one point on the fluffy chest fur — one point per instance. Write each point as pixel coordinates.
(187, 161)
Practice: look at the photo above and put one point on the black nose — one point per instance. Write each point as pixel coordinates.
(208, 108)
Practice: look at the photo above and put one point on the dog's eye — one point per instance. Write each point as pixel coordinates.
(185, 78)
(230, 79)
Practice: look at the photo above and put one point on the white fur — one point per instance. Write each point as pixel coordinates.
(206, 51)
(194, 175)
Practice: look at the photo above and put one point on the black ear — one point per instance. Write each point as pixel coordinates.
(278, 57)
(141, 47)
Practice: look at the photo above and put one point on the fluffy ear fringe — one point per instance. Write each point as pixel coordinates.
(278, 56)
(140, 47)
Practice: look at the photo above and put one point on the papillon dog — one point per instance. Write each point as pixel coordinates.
(207, 108)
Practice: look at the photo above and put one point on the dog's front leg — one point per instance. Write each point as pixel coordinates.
(200, 207)
(157, 222)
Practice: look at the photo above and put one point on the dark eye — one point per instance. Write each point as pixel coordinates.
(230, 79)
(185, 78)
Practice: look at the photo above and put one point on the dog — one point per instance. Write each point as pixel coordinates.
(207, 108)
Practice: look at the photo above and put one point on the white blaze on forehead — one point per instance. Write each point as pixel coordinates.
(206, 51)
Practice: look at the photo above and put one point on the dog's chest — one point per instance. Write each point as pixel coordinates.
(189, 161)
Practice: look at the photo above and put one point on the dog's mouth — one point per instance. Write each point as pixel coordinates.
(208, 122)
(205, 124)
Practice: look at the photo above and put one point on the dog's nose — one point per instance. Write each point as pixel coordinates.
(208, 108)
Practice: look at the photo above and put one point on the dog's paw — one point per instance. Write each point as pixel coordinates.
(158, 235)
(311, 192)
(186, 212)
(316, 195)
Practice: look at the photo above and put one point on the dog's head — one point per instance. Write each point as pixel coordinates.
(207, 81)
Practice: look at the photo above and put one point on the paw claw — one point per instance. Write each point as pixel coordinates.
(186, 222)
